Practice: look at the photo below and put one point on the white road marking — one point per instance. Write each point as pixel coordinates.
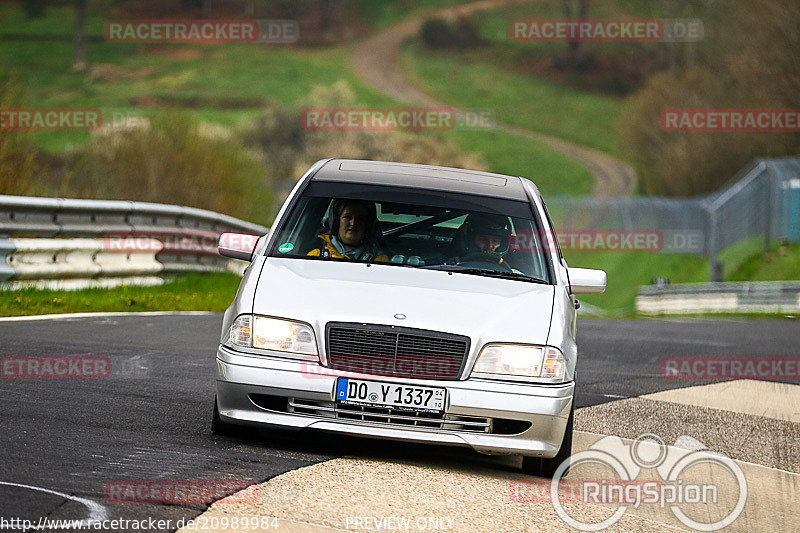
(97, 512)
(669, 340)
(96, 315)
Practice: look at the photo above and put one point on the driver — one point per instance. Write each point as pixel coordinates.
(352, 226)
(483, 235)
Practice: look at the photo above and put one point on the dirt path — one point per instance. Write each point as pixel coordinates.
(376, 61)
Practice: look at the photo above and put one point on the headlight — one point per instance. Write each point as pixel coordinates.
(521, 360)
(265, 333)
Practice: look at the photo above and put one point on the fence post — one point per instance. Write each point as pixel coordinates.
(715, 266)
(771, 211)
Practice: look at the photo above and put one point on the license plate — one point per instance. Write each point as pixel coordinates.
(401, 397)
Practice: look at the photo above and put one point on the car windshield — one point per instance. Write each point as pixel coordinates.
(435, 230)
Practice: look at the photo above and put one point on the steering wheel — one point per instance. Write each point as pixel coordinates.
(484, 258)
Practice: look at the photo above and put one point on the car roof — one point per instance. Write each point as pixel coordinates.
(422, 177)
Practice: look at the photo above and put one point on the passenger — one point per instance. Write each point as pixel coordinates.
(351, 233)
(481, 236)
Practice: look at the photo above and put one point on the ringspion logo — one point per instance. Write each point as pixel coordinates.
(688, 480)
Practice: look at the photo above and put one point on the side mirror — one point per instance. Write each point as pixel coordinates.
(587, 281)
(237, 245)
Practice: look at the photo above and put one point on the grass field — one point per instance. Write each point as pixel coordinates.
(216, 83)
(221, 84)
(552, 172)
(461, 79)
(628, 271)
(495, 29)
(526, 82)
(189, 292)
(746, 261)
(782, 262)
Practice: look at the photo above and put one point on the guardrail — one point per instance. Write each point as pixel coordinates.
(100, 242)
(727, 297)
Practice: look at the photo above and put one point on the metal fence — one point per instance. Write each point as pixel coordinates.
(731, 297)
(74, 243)
(762, 201)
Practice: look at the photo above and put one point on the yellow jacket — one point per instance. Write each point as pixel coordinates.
(327, 249)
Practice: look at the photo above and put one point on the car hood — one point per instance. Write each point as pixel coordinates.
(485, 309)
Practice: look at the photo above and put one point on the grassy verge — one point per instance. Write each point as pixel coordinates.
(471, 79)
(627, 271)
(189, 292)
(551, 171)
(746, 261)
(782, 262)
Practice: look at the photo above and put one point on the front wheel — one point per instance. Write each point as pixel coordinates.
(538, 466)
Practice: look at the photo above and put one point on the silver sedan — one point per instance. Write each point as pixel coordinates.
(407, 302)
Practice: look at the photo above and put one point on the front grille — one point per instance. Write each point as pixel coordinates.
(395, 351)
(388, 416)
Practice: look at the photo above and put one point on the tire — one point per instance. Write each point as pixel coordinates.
(219, 427)
(538, 466)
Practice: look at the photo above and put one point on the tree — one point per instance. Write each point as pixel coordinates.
(575, 9)
(79, 53)
(20, 173)
(35, 9)
(732, 71)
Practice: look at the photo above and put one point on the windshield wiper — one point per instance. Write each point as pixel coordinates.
(486, 272)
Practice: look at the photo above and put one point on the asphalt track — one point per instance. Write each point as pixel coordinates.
(150, 419)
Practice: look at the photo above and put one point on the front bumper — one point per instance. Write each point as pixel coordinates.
(545, 407)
